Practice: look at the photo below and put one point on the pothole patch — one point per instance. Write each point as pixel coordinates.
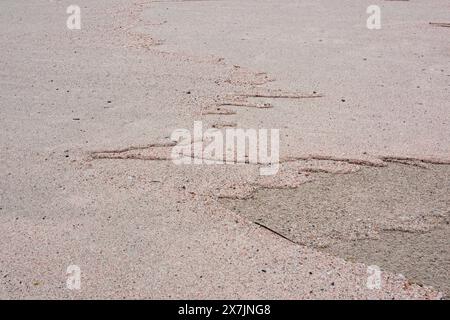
(396, 217)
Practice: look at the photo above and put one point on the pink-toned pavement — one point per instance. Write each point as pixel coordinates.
(147, 228)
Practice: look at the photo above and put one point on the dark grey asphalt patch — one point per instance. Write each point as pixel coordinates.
(396, 217)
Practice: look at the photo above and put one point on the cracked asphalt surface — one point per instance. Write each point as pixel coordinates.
(86, 117)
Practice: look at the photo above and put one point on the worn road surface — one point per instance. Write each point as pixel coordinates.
(86, 177)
